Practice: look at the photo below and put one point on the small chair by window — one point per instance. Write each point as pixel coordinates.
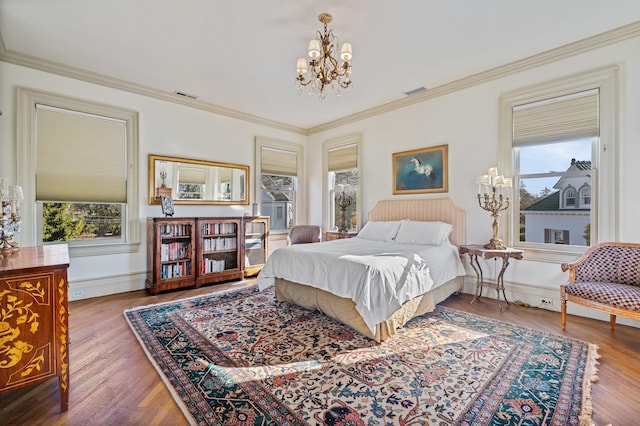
(303, 234)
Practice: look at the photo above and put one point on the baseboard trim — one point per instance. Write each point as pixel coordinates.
(104, 286)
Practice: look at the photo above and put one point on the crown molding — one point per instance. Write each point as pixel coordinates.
(575, 48)
(127, 86)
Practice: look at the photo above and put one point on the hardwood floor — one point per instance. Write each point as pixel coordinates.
(113, 382)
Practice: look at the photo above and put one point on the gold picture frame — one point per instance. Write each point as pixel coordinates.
(420, 171)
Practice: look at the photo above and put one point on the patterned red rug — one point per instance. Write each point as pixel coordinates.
(240, 358)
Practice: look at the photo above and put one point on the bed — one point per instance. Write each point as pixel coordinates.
(300, 273)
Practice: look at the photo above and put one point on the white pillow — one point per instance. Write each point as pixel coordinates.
(425, 233)
(379, 231)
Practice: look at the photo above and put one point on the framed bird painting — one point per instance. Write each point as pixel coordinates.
(421, 171)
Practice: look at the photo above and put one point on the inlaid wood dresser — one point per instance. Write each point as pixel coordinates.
(34, 326)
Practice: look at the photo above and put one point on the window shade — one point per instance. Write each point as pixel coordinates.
(565, 118)
(80, 157)
(343, 158)
(279, 162)
(195, 175)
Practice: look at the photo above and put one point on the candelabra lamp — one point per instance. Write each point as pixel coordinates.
(10, 222)
(343, 200)
(491, 198)
(163, 176)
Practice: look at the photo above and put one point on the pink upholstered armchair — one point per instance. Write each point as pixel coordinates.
(302, 234)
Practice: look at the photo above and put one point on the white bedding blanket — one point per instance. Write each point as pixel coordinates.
(378, 276)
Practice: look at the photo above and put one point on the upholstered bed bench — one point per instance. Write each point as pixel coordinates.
(606, 277)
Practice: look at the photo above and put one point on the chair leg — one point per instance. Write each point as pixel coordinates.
(612, 320)
(563, 307)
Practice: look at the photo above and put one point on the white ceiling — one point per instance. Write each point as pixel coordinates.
(241, 54)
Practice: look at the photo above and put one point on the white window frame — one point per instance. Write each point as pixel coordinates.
(26, 167)
(327, 205)
(585, 193)
(300, 203)
(604, 202)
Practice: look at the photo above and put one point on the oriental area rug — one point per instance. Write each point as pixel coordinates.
(241, 358)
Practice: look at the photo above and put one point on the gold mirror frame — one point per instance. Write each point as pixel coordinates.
(197, 182)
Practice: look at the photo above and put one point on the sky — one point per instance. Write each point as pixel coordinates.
(554, 157)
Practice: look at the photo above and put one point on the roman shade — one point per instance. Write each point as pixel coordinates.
(279, 162)
(564, 118)
(80, 157)
(343, 158)
(193, 175)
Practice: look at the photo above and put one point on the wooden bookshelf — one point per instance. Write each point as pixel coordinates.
(191, 252)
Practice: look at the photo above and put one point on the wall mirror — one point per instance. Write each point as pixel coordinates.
(190, 181)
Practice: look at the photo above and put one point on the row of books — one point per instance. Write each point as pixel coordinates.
(175, 251)
(175, 230)
(175, 270)
(212, 265)
(210, 244)
(219, 228)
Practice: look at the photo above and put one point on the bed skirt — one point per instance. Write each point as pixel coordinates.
(344, 310)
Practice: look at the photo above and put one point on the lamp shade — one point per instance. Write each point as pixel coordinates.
(15, 193)
(345, 52)
(314, 48)
(4, 189)
(483, 180)
(301, 66)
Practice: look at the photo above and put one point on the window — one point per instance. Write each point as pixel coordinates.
(558, 143)
(279, 167)
(585, 196)
(79, 164)
(191, 184)
(556, 236)
(569, 197)
(342, 183)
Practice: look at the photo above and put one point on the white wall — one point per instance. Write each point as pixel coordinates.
(467, 121)
(165, 128)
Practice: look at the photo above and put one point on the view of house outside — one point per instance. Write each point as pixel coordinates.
(278, 196)
(555, 190)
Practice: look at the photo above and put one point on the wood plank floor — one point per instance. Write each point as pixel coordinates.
(113, 383)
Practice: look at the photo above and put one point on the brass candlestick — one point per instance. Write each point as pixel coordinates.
(494, 204)
(344, 201)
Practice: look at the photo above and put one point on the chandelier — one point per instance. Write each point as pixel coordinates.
(325, 70)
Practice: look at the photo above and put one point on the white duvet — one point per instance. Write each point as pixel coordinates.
(378, 276)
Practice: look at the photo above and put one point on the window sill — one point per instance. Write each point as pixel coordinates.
(550, 256)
